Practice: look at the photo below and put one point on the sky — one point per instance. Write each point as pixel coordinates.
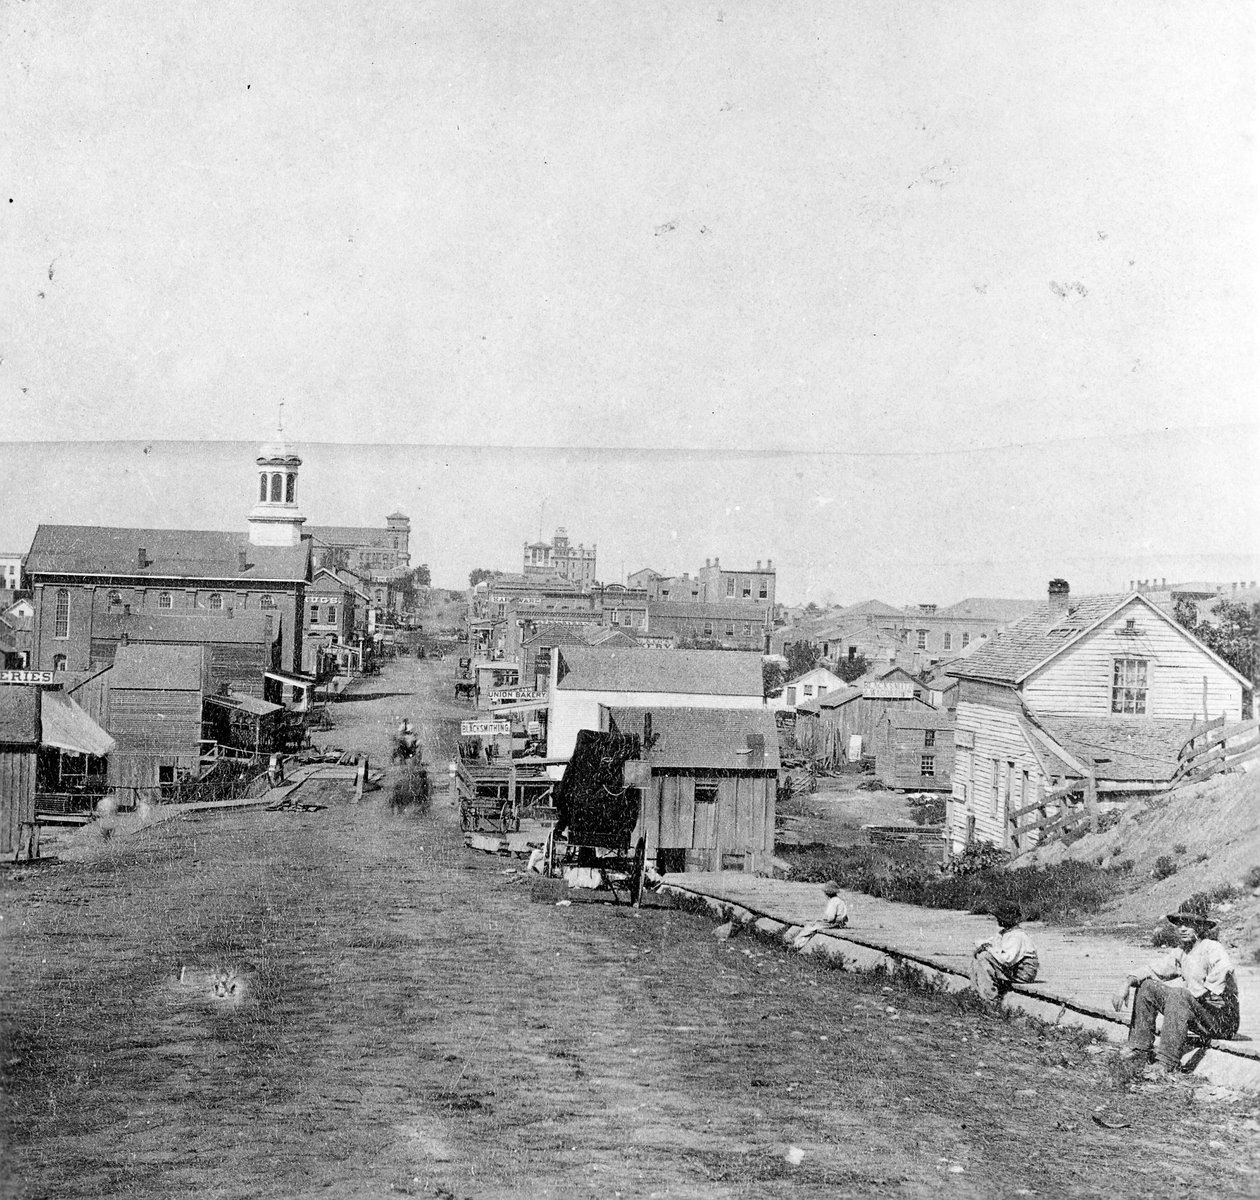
(916, 299)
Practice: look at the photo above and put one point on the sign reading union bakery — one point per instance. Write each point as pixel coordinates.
(26, 677)
(510, 694)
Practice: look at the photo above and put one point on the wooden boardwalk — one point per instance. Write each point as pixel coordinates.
(1078, 969)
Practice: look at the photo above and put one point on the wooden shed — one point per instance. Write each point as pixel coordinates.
(155, 703)
(914, 750)
(856, 713)
(19, 746)
(709, 782)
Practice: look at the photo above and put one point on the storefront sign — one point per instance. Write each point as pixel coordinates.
(26, 676)
(511, 695)
(485, 728)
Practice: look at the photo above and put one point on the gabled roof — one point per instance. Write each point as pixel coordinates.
(608, 636)
(148, 626)
(988, 608)
(813, 674)
(343, 582)
(158, 668)
(698, 672)
(703, 738)
(1015, 653)
(560, 634)
(169, 554)
(874, 608)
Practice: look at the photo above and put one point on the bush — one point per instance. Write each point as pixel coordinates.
(927, 809)
(979, 856)
(1179, 848)
(1252, 878)
(1052, 893)
(1163, 868)
(412, 791)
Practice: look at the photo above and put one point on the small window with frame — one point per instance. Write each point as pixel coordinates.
(706, 789)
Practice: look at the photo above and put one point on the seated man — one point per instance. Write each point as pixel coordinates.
(835, 915)
(1002, 961)
(1193, 987)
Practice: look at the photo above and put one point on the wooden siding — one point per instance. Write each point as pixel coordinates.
(834, 726)
(17, 795)
(899, 758)
(999, 737)
(241, 667)
(741, 822)
(1078, 683)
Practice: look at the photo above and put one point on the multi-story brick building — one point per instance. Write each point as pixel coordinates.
(719, 584)
(365, 550)
(561, 559)
(88, 579)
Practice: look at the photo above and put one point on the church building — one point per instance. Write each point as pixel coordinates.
(98, 587)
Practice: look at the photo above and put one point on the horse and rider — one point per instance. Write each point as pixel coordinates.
(406, 744)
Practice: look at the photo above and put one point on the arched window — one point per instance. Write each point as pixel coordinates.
(216, 601)
(266, 601)
(275, 487)
(59, 662)
(115, 599)
(262, 486)
(290, 483)
(62, 624)
(164, 599)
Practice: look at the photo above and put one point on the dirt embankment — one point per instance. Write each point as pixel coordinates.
(1210, 834)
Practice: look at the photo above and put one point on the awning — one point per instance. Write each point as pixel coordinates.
(67, 727)
(246, 704)
(291, 678)
(523, 706)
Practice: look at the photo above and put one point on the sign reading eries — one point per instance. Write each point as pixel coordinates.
(26, 676)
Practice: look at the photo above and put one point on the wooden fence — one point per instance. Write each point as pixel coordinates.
(1071, 803)
(1214, 747)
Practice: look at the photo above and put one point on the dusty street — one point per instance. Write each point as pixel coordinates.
(368, 1009)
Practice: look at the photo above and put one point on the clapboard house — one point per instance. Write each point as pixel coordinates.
(841, 727)
(914, 749)
(708, 780)
(1101, 689)
(91, 583)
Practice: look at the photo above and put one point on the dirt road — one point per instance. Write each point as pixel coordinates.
(368, 1009)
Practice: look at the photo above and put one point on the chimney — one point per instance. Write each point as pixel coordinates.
(242, 561)
(769, 564)
(706, 563)
(1163, 581)
(758, 564)
(1060, 595)
(142, 558)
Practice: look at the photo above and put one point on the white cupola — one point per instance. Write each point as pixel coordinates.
(275, 520)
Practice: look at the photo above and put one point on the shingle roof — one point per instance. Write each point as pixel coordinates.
(705, 738)
(919, 718)
(352, 535)
(703, 672)
(609, 636)
(147, 626)
(558, 634)
(1137, 749)
(875, 608)
(733, 611)
(169, 554)
(158, 668)
(19, 715)
(988, 608)
(1008, 656)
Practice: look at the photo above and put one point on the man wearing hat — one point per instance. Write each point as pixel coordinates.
(1193, 987)
(1001, 962)
(835, 915)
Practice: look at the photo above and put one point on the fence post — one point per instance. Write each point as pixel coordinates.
(1091, 796)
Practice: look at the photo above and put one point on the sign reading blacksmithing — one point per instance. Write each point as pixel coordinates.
(26, 677)
(485, 728)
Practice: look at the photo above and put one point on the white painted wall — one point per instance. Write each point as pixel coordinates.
(1079, 682)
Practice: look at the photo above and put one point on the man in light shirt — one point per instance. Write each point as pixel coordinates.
(1193, 987)
(1004, 960)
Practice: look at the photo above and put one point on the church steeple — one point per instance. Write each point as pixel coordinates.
(275, 520)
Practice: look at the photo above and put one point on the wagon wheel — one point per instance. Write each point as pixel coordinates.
(637, 870)
(465, 818)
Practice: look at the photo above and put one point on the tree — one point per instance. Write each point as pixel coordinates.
(422, 576)
(477, 574)
(772, 679)
(1234, 634)
(802, 657)
(850, 669)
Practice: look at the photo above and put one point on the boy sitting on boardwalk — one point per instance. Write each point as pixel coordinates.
(835, 915)
(1002, 961)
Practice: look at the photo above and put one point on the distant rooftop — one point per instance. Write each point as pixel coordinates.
(713, 739)
(700, 672)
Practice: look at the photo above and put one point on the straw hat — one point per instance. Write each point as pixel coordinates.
(1201, 923)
